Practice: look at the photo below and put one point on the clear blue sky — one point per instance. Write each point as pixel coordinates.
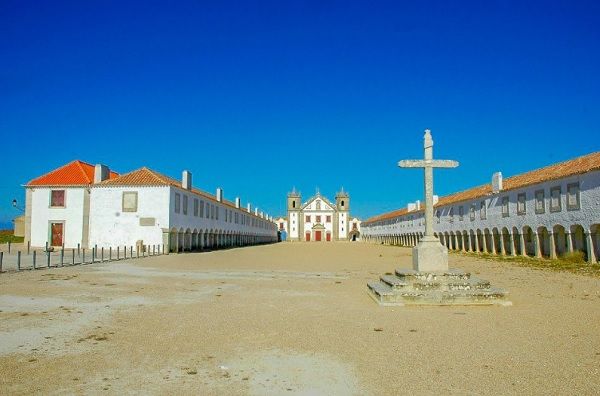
(258, 97)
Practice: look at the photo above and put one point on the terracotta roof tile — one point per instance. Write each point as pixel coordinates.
(75, 173)
(576, 166)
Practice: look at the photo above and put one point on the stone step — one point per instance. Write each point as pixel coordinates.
(381, 292)
(394, 281)
(454, 274)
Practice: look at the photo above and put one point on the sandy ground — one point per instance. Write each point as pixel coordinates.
(290, 319)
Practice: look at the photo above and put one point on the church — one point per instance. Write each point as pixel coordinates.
(318, 219)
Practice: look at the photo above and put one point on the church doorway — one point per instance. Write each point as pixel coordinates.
(328, 237)
(318, 236)
(307, 236)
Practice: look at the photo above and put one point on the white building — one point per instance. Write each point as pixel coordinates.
(320, 220)
(546, 212)
(139, 208)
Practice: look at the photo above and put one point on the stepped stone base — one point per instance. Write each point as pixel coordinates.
(452, 287)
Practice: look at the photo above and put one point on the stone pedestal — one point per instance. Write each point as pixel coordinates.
(430, 256)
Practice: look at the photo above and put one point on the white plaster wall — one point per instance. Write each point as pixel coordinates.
(180, 221)
(343, 225)
(42, 215)
(293, 230)
(111, 227)
(587, 215)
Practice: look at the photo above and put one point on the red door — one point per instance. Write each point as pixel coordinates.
(56, 231)
(328, 236)
(318, 236)
(308, 237)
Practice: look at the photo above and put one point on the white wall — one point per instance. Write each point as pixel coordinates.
(42, 215)
(110, 226)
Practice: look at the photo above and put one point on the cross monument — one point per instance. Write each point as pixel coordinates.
(429, 255)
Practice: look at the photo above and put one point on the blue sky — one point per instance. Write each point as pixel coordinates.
(258, 97)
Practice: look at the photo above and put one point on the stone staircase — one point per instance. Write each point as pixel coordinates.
(453, 287)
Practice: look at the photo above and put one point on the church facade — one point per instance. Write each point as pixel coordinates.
(319, 220)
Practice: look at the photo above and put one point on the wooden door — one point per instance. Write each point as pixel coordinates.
(328, 236)
(56, 231)
(308, 237)
(318, 236)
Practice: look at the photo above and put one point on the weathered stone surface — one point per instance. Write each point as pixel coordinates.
(452, 287)
(430, 256)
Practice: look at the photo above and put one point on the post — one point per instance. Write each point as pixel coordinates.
(117, 252)
(46, 245)
(83, 257)
(163, 248)
(33, 259)
(8, 246)
(78, 249)
(130, 251)
(1, 259)
(62, 256)
(19, 260)
(93, 254)
(110, 253)
(48, 259)
(154, 250)
(28, 247)
(102, 254)
(72, 256)
(137, 251)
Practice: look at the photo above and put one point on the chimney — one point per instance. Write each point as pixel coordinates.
(219, 194)
(248, 207)
(237, 202)
(255, 211)
(101, 173)
(411, 206)
(418, 205)
(497, 182)
(186, 180)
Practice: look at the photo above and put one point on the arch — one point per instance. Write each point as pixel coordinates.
(516, 246)
(473, 241)
(495, 241)
(595, 240)
(528, 241)
(579, 240)
(543, 241)
(479, 236)
(507, 245)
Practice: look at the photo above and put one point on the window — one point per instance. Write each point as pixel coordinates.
(472, 212)
(573, 196)
(451, 215)
(177, 203)
(57, 198)
(482, 211)
(281, 226)
(521, 204)
(318, 205)
(318, 219)
(307, 219)
(328, 219)
(540, 202)
(196, 207)
(217, 212)
(207, 207)
(129, 201)
(342, 203)
(505, 212)
(461, 210)
(293, 204)
(555, 205)
(185, 204)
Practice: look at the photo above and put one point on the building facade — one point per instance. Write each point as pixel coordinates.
(139, 208)
(319, 220)
(547, 212)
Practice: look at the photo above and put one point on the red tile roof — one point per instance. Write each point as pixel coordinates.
(576, 166)
(76, 173)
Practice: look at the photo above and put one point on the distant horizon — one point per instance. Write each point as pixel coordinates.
(259, 98)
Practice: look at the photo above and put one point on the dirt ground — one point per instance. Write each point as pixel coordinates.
(290, 319)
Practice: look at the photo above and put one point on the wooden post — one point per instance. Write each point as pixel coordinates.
(33, 259)
(28, 247)
(83, 257)
(117, 252)
(73, 256)
(19, 260)
(102, 254)
(48, 259)
(8, 246)
(1, 259)
(62, 256)
(110, 253)
(130, 251)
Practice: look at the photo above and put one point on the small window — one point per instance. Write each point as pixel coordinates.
(573, 196)
(177, 203)
(555, 205)
(318, 219)
(307, 219)
(293, 204)
(482, 211)
(461, 210)
(540, 202)
(342, 203)
(217, 213)
(185, 204)
(505, 212)
(521, 204)
(472, 212)
(57, 198)
(328, 219)
(129, 201)
(195, 207)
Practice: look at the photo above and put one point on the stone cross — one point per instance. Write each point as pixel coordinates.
(428, 163)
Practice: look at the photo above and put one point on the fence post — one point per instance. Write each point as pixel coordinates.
(78, 249)
(83, 257)
(102, 254)
(19, 260)
(130, 251)
(73, 255)
(28, 247)
(62, 256)
(34, 256)
(110, 253)
(117, 252)
(154, 250)
(8, 246)
(48, 259)
(93, 254)
(163, 248)
(46, 245)
(1, 258)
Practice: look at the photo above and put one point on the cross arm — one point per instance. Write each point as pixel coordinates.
(428, 163)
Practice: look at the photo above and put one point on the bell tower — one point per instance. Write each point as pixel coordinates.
(342, 204)
(295, 226)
